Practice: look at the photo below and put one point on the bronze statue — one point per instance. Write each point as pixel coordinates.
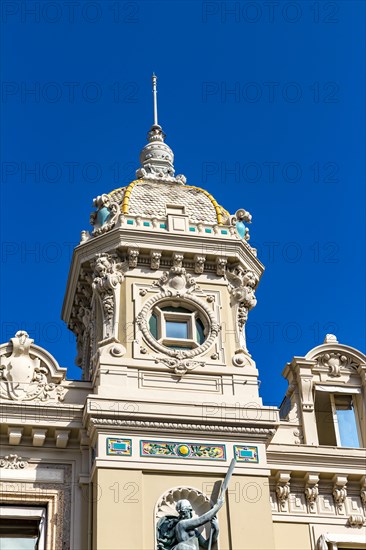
(181, 532)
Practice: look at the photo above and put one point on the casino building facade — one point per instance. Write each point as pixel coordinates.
(158, 297)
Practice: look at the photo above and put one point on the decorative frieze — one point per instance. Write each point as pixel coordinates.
(174, 449)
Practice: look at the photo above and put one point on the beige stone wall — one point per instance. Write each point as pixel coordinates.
(124, 512)
(292, 536)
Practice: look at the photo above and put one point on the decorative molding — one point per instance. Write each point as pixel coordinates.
(179, 365)
(13, 462)
(29, 373)
(174, 449)
(181, 427)
(176, 282)
(141, 319)
(336, 362)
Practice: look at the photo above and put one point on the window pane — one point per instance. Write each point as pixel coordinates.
(324, 419)
(153, 325)
(346, 421)
(177, 329)
(18, 543)
(200, 331)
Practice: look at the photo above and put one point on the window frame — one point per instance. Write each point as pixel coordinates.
(354, 402)
(9, 512)
(190, 317)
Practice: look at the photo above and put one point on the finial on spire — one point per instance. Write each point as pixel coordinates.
(155, 95)
(157, 158)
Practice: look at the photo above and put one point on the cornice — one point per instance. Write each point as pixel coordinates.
(252, 432)
(121, 238)
(308, 458)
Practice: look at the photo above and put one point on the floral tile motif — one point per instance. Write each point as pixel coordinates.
(179, 449)
(246, 454)
(119, 447)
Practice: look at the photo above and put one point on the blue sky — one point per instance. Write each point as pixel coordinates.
(262, 104)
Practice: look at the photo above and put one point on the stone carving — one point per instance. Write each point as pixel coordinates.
(132, 254)
(238, 220)
(179, 364)
(283, 490)
(13, 462)
(306, 387)
(175, 427)
(283, 493)
(335, 362)
(108, 275)
(356, 520)
(311, 495)
(199, 263)
(29, 373)
(177, 260)
(340, 495)
(177, 282)
(221, 266)
(106, 216)
(242, 283)
(155, 259)
(157, 159)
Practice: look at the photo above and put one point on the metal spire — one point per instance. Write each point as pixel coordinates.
(155, 96)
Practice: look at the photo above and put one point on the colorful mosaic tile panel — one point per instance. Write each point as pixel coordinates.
(246, 454)
(119, 447)
(174, 449)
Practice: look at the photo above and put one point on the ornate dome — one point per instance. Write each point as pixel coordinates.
(157, 192)
(152, 199)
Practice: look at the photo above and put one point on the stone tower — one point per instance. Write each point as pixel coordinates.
(158, 296)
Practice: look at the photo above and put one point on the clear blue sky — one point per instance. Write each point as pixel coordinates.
(263, 105)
